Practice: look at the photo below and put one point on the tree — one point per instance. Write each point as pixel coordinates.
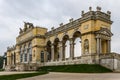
(1, 62)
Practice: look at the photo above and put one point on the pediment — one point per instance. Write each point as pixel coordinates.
(105, 31)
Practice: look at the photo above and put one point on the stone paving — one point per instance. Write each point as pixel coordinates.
(76, 76)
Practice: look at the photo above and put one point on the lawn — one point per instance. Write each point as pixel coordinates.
(81, 68)
(19, 76)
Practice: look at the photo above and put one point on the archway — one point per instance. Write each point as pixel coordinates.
(66, 47)
(77, 44)
(49, 54)
(56, 49)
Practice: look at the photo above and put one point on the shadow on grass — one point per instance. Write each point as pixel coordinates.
(80, 68)
(20, 76)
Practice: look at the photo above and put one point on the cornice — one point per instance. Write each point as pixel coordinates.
(30, 39)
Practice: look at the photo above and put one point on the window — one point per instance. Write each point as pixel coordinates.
(42, 56)
(25, 53)
(30, 51)
(25, 57)
(21, 56)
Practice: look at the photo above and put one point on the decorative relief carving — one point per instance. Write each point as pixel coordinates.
(86, 27)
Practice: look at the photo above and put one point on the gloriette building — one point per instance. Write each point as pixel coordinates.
(35, 46)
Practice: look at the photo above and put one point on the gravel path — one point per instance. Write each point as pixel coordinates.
(76, 76)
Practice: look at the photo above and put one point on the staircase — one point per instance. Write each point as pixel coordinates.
(111, 61)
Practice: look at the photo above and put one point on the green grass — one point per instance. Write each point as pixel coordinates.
(81, 68)
(1, 69)
(19, 76)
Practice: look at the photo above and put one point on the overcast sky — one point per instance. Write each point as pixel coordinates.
(48, 13)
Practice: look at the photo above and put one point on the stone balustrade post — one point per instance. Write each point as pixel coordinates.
(71, 48)
(60, 50)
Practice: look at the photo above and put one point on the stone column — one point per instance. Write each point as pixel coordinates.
(60, 51)
(3, 63)
(71, 48)
(28, 55)
(98, 46)
(52, 51)
(109, 46)
(13, 59)
(63, 50)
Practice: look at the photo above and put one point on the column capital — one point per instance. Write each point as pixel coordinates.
(71, 41)
(60, 44)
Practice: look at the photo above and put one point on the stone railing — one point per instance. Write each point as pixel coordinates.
(65, 27)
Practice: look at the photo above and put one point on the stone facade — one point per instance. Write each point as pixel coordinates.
(35, 46)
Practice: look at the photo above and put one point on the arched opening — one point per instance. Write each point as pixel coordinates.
(66, 47)
(21, 54)
(77, 44)
(49, 54)
(56, 49)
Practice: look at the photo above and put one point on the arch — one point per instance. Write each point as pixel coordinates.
(56, 49)
(77, 34)
(66, 47)
(77, 44)
(48, 47)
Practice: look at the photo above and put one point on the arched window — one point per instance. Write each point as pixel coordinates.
(86, 46)
(21, 54)
(25, 53)
(49, 50)
(66, 47)
(30, 51)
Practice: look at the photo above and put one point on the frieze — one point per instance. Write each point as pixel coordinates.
(30, 38)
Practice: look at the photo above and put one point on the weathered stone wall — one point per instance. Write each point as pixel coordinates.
(111, 61)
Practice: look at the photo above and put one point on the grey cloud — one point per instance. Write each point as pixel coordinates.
(50, 13)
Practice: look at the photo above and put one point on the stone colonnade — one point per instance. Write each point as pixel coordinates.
(99, 45)
(61, 50)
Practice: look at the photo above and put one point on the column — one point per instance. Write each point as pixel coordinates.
(63, 54)
(52, 51)
(71, 48)
(60, 51)
(98, 46)
(12, 59)
(109, 46)
(28, 55)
